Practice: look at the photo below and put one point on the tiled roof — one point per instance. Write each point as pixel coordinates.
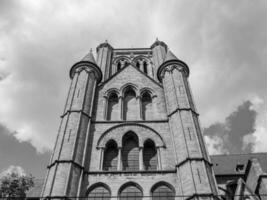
(227, 164)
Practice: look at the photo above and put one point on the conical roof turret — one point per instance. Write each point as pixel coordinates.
(170, 56)
(171, 59)
(87, 61)
(89, 57)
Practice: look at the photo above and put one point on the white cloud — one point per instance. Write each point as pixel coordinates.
(225, 47)
(215, 145)
(13, 169)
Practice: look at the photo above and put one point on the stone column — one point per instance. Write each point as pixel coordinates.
(141, 162)
(159, 158)
(119, 159)
(102, 151)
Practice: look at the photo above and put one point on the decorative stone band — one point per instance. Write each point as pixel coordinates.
(88, 66)
(65, 161)
(170, 65)
(194, 159)
(134, 172)
(181, 109)
(77, 111)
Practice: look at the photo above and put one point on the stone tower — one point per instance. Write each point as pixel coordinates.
(130, 130)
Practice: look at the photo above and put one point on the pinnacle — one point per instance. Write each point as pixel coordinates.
(89, 57)
(170, 56)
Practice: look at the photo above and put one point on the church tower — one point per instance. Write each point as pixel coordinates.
(130, 130)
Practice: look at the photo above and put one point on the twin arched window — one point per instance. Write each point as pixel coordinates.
(130, 152)
(163, 192)
(132, 192)
(150, 156)
(99, 193)
(130, 106)
(110, 156)
(130, 155)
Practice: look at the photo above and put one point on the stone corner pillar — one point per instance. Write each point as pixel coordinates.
(194, 169)
(66, 168)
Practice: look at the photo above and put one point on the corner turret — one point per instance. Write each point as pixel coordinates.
(159, 50)
(104, 55)
(170, 60)
(88, 62)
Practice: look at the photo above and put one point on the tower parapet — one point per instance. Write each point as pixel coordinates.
(159, 50)
(104, 57)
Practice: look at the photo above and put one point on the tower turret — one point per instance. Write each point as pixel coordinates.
(159, 50)
(104, 56)
(66, 169)
(192, 161)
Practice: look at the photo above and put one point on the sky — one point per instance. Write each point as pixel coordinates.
(224, 44)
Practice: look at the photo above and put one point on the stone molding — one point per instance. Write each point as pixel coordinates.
(170, 65)
(88, 67)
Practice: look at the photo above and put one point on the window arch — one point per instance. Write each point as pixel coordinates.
(110, 156)
(146, 103)
(150, 156)
(131, 192)
(130, 105)
(163, 192)
(113, 106)
(130, 152)
(99, 192)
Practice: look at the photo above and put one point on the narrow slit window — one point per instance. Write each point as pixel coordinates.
(145, 67)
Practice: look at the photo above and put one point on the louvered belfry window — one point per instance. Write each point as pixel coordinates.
(163, 192)
(150, 156)
(130, 152)
(99, 193)
(131, 192)
(110, 157)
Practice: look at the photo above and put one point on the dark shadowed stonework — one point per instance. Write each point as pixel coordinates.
(130, 128)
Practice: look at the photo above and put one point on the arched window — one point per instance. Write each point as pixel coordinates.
(150, 156)
(145, 67)
(113, 107)
(146, 106)
(130, 106)
(163, 192)
(118, 66)
(99, 193)
(110, 156)
(138, 64)
(131, 192)
(130, 152)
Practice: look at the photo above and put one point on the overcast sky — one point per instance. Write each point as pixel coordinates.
(223, 42)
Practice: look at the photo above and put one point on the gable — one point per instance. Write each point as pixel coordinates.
(130, 75)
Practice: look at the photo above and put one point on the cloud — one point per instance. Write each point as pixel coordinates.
(236, 134)
(224, 43)
(13, 169)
